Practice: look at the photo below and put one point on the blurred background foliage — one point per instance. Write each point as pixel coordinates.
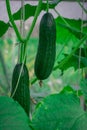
(56, 81)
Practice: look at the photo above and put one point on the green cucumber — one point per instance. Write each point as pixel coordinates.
(22, 94)
(46, 52)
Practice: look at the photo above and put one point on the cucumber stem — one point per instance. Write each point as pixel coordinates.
(47, 5)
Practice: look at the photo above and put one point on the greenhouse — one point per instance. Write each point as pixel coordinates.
(43, 64)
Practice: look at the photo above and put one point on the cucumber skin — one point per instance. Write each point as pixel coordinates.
(46, 52)
(22, 94)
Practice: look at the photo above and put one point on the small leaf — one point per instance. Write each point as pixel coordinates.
(29, 11)
(12, 116)
(3, 28)
(59, 111)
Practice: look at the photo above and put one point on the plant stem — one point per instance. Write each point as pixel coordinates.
(62, 18)
(69, 56)
(38, 9)
(82, 6)
(22, 30)
(12, 21)
(34, 80)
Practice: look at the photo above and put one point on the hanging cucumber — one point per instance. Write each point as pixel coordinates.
(22, 94)
(46, 52)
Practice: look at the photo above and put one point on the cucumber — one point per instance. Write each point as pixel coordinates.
(22, 94)
(46, 52)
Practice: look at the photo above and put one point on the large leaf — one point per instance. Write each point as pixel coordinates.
(73, 25)
(74, 59)
(70, 89)
(81, 123)
(12, 116)
(30, 10)
(64, 36)
(59, 112)
(74, 62)
(68, 39)
(3, 28)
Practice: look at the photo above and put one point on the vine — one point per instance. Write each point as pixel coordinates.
(22, 30)
(26, 39)
(12, 22)
(82, 6)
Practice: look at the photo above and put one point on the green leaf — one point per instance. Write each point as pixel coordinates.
(59, 112)
(73, 26)
(3, 28)
(12, 115)
(69, 41)
(30, 10)
(64, 36)
(67, 89)
(74, 62)
(81, 123)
